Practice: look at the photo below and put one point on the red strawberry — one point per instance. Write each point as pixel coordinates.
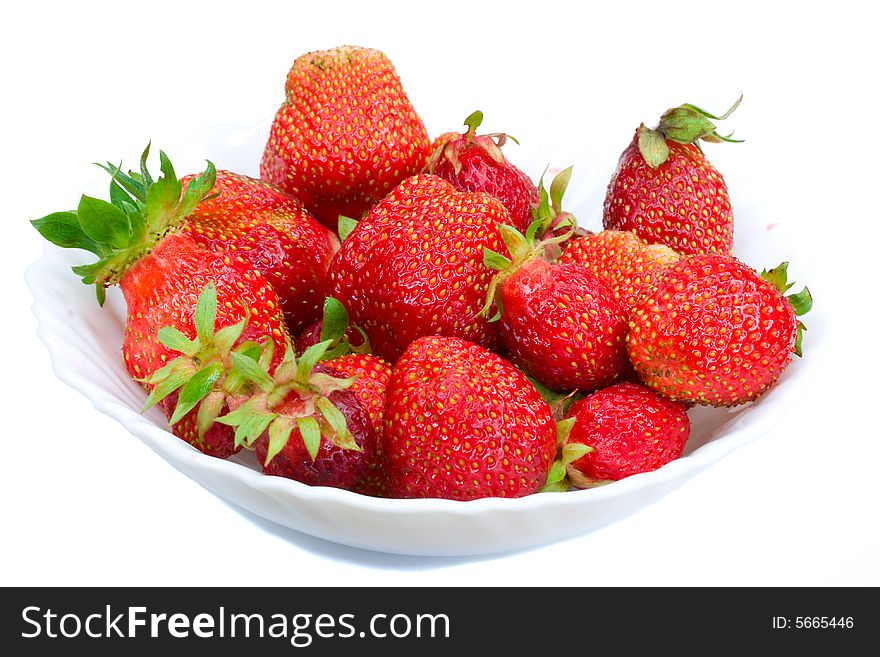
(306, 423)
(462, 423)
(621, 431)
(346, 133)
(258, 224)
(667, 192)
(476, 163)
(414, 266)
(162, 273)
(626, 264)
(715, 332)
(559, 322)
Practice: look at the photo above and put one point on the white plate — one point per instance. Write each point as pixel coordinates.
(85, 341)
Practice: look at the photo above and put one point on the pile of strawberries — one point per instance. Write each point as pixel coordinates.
(407, 318)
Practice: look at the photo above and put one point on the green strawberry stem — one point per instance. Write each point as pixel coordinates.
(686, 124)
(802, 301)
(141, 212)
(335, 323)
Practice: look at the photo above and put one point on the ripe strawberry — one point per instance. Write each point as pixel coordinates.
(346, 133)
(625, 263)
(161, 273)
(306, 423)
(462, 423)
(258, 224)
(667, 192)
(715, 332)
(476, 163)
(559, 322)
(620, 431)
(414, 266)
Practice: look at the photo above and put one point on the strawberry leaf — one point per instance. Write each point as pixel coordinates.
(103, 222)
(311, 434)
(63, 229)
(344, 226)
(335, 320)
(206, 314)
(195, 390)
(279, 434)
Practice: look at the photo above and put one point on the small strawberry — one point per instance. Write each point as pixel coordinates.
(258, 224)
(476, 163)
(559, 322)
(346, 133)
(620, 431)
(716, 332)
(462, 423)
(667, 192)
(305, 422)
(627, 264)
(414, 266)
(162, 273)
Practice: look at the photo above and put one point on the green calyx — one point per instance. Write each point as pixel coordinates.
(141, 211)
(293, 398)
(204, 374)
(802, 301)
(543, 238)
(334, 328)
(490, 143)
(686, 124)
(569, 452)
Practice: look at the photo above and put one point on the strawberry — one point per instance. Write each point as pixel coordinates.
(716, 332)
(162, 273)
(305, 422)
(476, 163)
(625, 263)
(462, 423)
(258, 224)
(620, 431)
(559, 322)
(345, 134)
(667, 192)
(414, 266)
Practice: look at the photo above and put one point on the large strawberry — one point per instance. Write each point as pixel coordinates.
(620, 431)
(627, 264)
(476, 163)
(162, 273)
(559, 322)
(462, 423)
(716, 332)
(414, 266)
(256, 223)
(346, 133)
(667, 192)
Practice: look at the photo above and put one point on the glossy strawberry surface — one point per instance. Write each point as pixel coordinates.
(461, 423)
(625, 263)
(346, 133)
(683, 203)
(630, 429)
(414, 266)
(562, 325)
(259, 224)
(713, 332)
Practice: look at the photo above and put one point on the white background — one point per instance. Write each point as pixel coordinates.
(84, 502)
